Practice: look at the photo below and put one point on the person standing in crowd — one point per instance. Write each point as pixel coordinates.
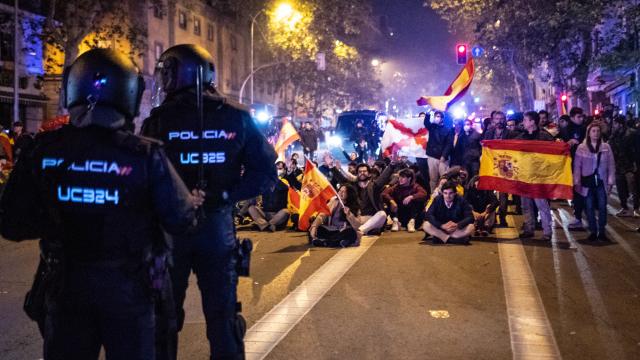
(449, 218)
(439, 147)
(531, 131)
(100, 293)
(484, 204)
(339, 228)
(21, 139)
(309, 140)
(498, 131)
(622, 145)
(372, 215)
(405, 200)
(574, 134)
(230, 142)
(467, 149)
(594, 174)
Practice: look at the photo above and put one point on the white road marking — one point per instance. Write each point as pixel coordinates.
(529, 327)
(267, 332)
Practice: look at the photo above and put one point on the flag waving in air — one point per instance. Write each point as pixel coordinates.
(288, 135)
(314, 194)
(407, 137)
(533, 169)
(456, 90)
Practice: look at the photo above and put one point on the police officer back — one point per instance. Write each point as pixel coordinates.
(96, 194)
(227, 142)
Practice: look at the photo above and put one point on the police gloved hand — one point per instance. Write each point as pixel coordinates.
(197, 197)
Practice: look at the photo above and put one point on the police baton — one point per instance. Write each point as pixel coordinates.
(202, 183)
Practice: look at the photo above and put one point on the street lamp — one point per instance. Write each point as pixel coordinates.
(375, 62)
(284, 12)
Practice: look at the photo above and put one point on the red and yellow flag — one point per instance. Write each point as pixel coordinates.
(533, 169)
(316, 191)
(456, 90)
(288, 135)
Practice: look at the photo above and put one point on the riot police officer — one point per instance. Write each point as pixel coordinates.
(96, 195)
(209, 153)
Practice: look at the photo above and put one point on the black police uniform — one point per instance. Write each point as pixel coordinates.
(99, 194)
(230, 142)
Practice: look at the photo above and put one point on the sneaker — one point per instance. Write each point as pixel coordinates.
(576, 225)
(411, 226)
(603, 238)
(591, 238)
(624, 213)
(636, 213)
(484, 233)
(396, 225)
(525, 235)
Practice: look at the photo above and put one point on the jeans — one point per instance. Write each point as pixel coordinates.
(626, 185)
(210, 253)
(528, 208)
(100, 306)
(264, 219)
(578, 205)
(437, 168)
(596, 198)
(408, 212)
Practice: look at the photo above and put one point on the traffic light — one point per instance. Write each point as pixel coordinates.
(461, 54)
(563, 98)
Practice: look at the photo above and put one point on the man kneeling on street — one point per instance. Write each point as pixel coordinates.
(449, 218)
(406, 200)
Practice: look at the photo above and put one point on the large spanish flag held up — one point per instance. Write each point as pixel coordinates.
(288, 135)
(533, 169)
(316, 191)
(455, 92)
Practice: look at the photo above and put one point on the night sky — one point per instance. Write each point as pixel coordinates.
(421, 47)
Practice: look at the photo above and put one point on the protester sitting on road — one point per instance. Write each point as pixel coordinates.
(420, 178)
(484, 204)
(594, 174)
(450, 217)
(339, 227)
(273, 213)
(622, 145)
(406, 200)
(372, 215)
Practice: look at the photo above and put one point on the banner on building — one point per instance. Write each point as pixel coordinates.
(534, 169)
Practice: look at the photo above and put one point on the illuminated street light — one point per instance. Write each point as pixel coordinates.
(283, 11)
(375, 62)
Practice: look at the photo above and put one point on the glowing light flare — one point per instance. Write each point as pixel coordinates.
(462, 49)
(262, 116)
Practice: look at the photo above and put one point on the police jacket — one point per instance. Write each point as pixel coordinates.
(230, 141)
(99, 193)
(440, 141)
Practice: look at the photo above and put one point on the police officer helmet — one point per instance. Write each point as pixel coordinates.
(177, 68)
(104, 77)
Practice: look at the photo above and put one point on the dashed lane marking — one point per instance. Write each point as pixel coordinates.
(274, 326)
(529, 327)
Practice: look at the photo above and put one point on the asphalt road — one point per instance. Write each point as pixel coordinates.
(406, 299)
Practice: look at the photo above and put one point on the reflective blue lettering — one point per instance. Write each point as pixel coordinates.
(88, 195)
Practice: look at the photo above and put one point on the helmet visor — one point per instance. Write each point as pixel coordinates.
(158, 85)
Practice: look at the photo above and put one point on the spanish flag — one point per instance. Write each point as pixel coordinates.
(288, 135)
(316, 191)
(455, 92)
(533, 169)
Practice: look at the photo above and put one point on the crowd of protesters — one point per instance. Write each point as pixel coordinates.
(440, 194)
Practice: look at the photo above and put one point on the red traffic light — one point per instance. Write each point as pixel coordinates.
(461, 54)
(563, 97)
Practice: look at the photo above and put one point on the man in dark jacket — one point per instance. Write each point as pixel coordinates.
(532, 131)
(450, 217)
(498, 131)
(274, 212)
(96, 195)
(406, 200)
(438, 148)
(309, 140)
(622, 145)
(372, 216)
(467, 149)
(573, 134)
